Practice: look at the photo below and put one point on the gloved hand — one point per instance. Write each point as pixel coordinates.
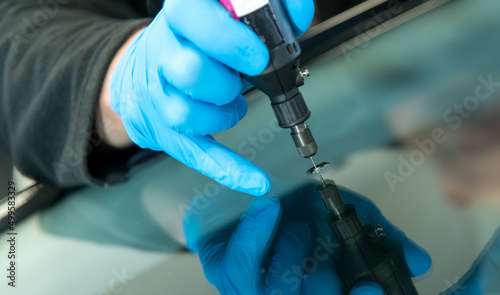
(281, 247)
(178, 82)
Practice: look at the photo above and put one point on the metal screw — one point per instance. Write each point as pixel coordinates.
(304, 72)
(379, 230)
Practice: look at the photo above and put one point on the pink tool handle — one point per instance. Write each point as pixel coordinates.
(229, 7)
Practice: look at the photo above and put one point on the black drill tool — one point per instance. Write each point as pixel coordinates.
(282, 77)
(365, 254)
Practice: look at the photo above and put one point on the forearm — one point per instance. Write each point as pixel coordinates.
(51, 77)
(107, 121)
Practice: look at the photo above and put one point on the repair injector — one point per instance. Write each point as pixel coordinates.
(364, 253)
(282, 77)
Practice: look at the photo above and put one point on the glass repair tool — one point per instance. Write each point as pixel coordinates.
(364, 253)
(282, 77)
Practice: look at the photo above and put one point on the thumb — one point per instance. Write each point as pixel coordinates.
(290, 253)
(216, 161)
(249, 244)
(366, 288)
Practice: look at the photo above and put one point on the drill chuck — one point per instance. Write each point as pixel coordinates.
(304, 141)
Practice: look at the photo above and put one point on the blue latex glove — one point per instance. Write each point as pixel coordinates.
(178, 82)
(281, 247)
(483, 277)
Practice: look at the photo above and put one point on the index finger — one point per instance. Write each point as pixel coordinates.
(211, 28)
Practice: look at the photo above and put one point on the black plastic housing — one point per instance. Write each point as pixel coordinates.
(281, 78)
(364, 253)
(364, 256)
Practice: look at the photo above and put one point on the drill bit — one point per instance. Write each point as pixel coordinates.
(317, 169)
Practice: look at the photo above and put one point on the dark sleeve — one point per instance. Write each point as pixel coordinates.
(54, 57)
